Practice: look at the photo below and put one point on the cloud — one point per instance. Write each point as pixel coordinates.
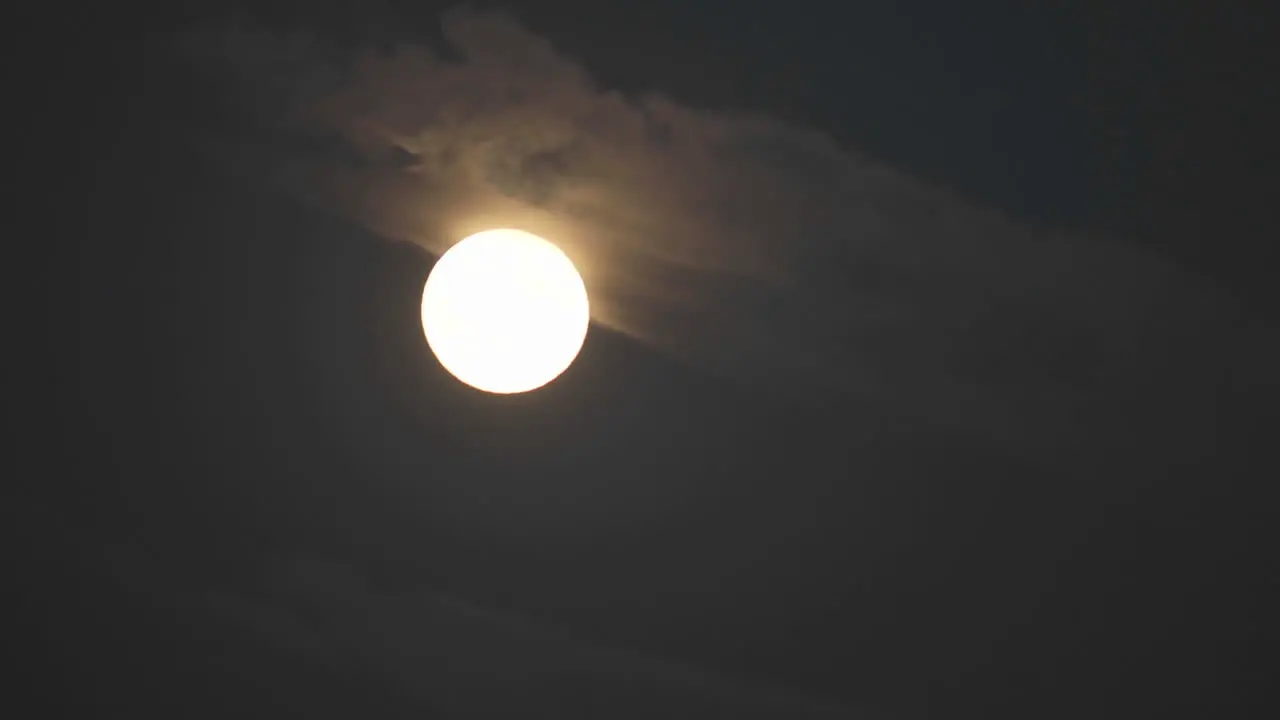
(738, 242)
(457, 658)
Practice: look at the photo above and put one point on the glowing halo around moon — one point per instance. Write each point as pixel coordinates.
(505, 311)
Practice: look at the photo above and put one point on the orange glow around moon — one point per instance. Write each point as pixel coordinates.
(505, 311)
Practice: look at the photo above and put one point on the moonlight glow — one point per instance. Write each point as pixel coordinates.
(505, 311)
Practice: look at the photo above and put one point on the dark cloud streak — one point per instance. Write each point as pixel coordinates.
(425, 649)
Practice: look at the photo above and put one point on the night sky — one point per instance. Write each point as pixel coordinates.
(928, 373)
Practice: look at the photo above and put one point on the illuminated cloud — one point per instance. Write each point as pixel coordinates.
(737, 242)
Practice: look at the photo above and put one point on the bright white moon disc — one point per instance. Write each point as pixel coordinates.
(505, 311)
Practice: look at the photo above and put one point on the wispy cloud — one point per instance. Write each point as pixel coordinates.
(744, 244)
(457, 658)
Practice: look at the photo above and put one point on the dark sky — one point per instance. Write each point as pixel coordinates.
(927, 375)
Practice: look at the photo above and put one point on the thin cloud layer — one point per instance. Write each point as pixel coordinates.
(751, 247)
(459, 659)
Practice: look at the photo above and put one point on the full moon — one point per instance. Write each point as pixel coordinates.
(505, 311)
